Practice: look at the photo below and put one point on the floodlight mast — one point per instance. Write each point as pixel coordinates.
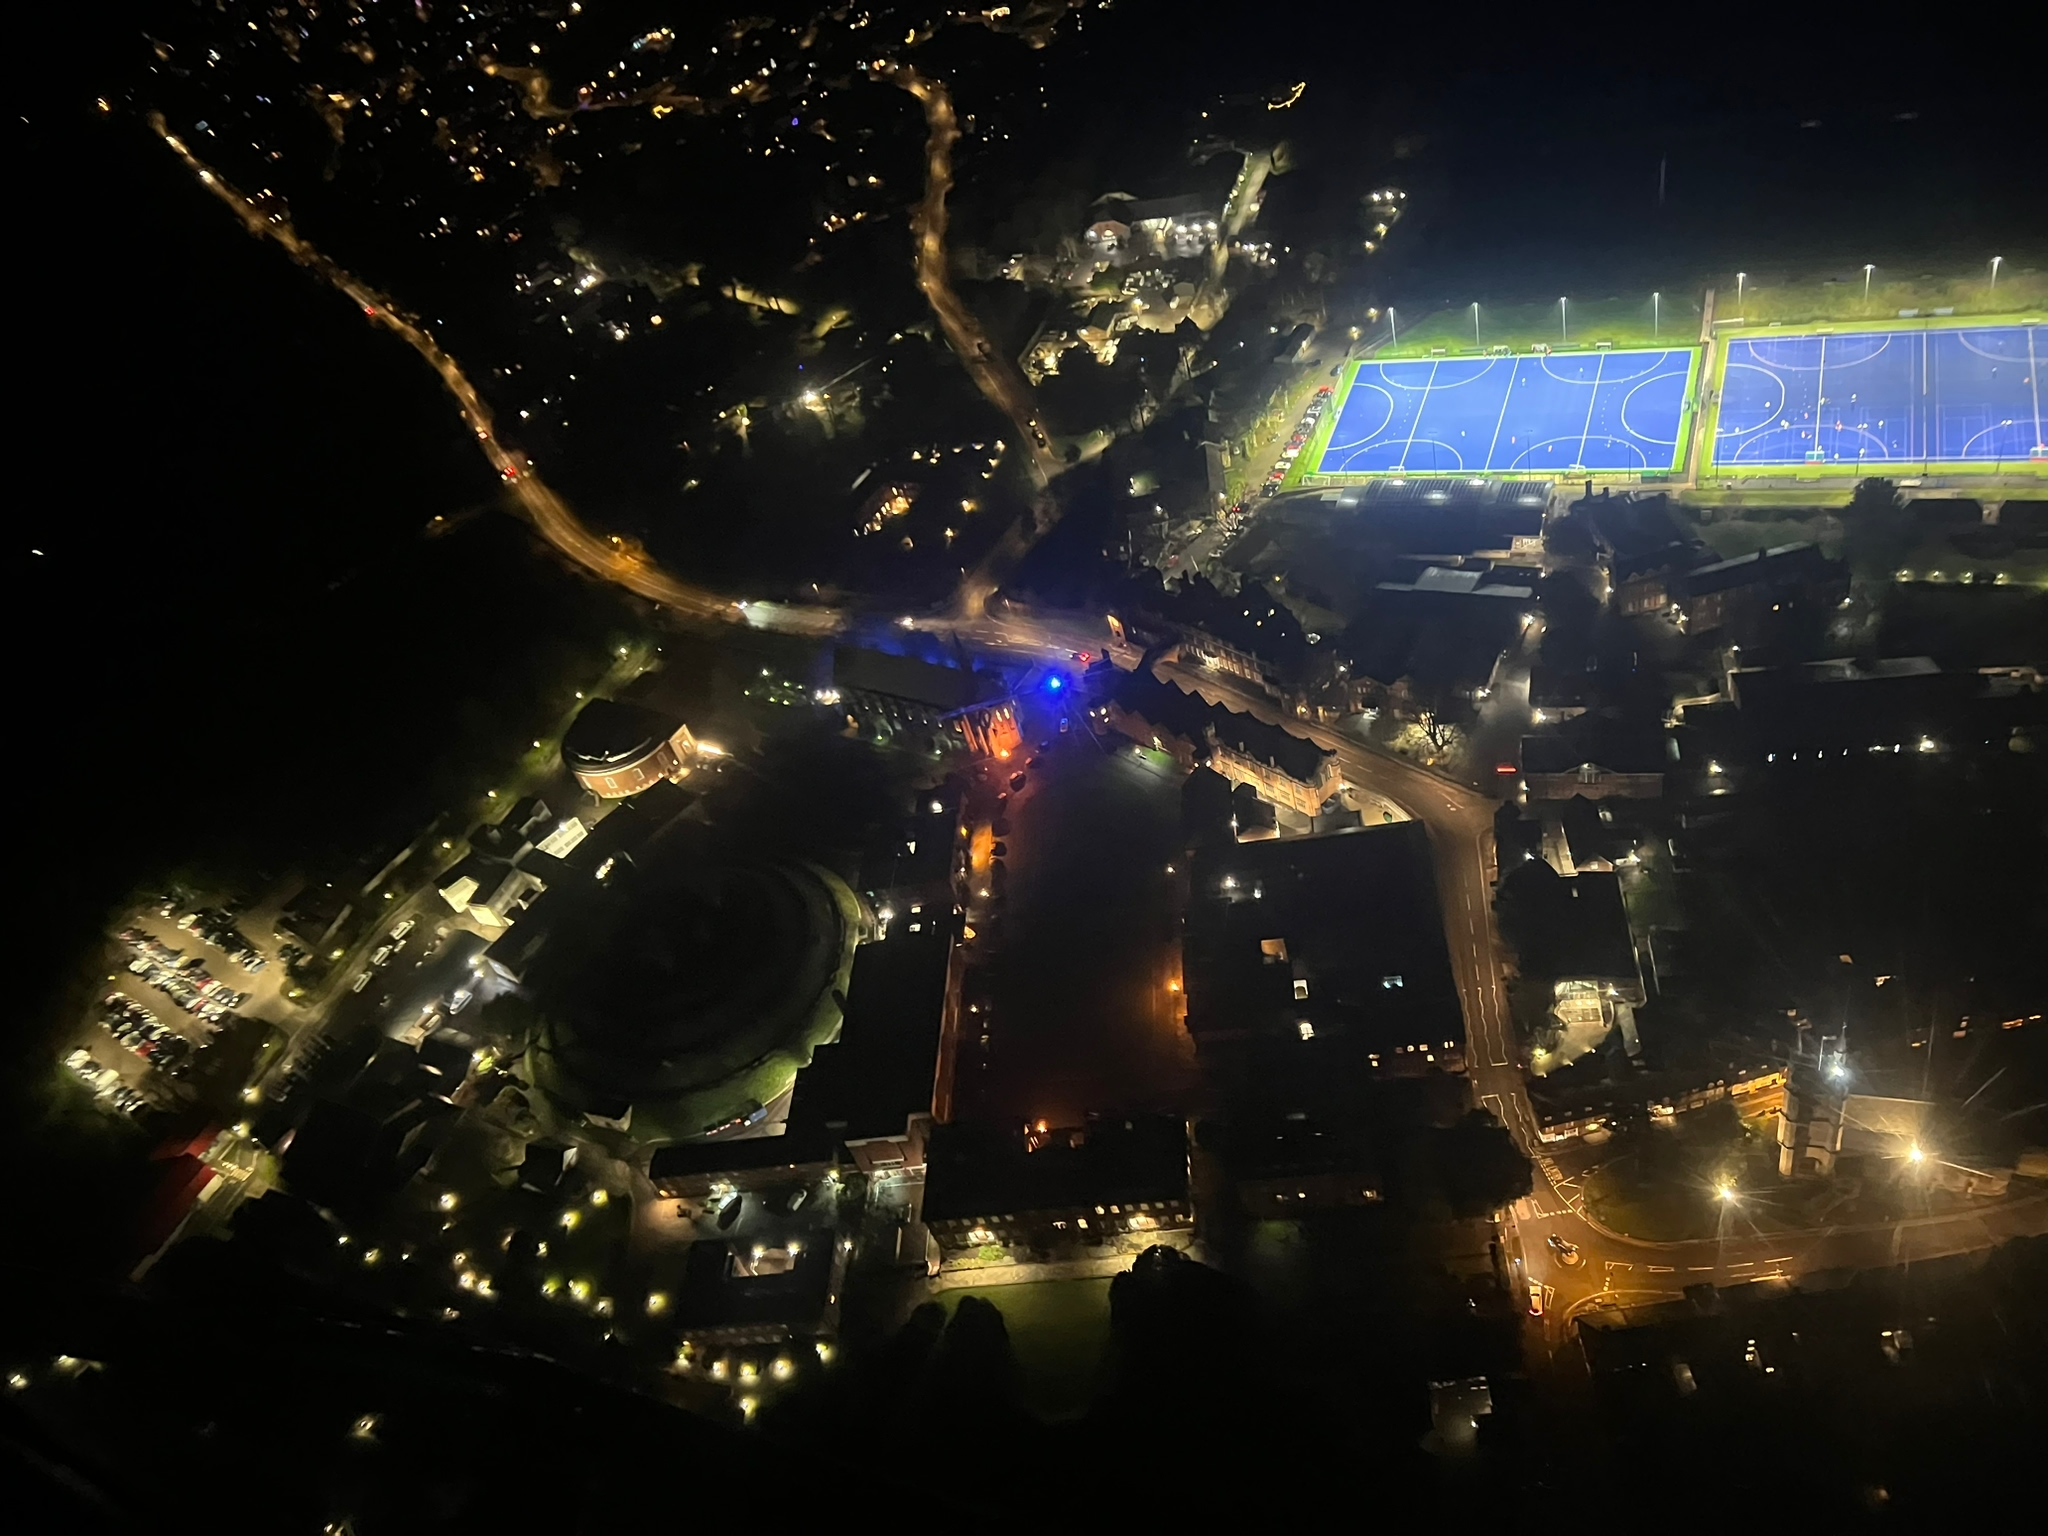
(1564, 330)
(1475, 318)
(1657, 314)
(1996, 263)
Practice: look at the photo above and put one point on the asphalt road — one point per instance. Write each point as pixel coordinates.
(1458, 819)
(1613, 1268)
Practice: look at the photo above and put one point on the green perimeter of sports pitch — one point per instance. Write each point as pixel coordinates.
(1301, 475)
(1711, 470)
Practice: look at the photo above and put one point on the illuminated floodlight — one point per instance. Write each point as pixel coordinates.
(1725, 1193)
(1915, 1155)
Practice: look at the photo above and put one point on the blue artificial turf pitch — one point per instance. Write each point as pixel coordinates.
(1528, 415)
(1917, 396)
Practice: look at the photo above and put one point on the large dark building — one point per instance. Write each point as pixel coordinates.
(891, 697)
(1333, 942)
(1111, 1182)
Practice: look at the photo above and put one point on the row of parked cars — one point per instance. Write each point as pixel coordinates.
(1303, 431)
(143, 1032)
(105, 1083)
(182, 978)
(217, 927)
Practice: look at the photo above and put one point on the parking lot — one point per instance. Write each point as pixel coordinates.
(1072, 1007)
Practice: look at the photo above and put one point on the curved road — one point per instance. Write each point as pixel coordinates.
(1459, 820)
(615, 559)
(1613, 1266)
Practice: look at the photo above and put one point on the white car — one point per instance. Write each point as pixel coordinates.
(462, 999)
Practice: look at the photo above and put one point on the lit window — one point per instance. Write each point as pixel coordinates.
(1300, 988)
(1389, 983)
(1305, 1029)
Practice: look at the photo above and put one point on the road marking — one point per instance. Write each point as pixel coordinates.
(1748, 1264)
(1599, 369)
(1660, 1269)
(1699, 1269)
(1783, 1258)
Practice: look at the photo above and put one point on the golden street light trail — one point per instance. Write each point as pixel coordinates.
(613, 559)
(993, 374)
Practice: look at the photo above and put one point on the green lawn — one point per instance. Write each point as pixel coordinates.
(1059, 1330)
(1731, 537)
(1627, 322)
(1764, 299)
(1658, 1183)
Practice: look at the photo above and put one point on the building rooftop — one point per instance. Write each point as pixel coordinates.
(1590, 935)
(606, 733)
(1299, 759)
(1197, 720)
(1341, 934)
(1780, 563)
(1469, 581)
(1623, 746)
(976, 1170)
(857, 670)
(883, 1067)
(729, 1286)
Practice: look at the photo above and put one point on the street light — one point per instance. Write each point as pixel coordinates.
(1563, 325)
(1996, 262)
(1868, 268)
